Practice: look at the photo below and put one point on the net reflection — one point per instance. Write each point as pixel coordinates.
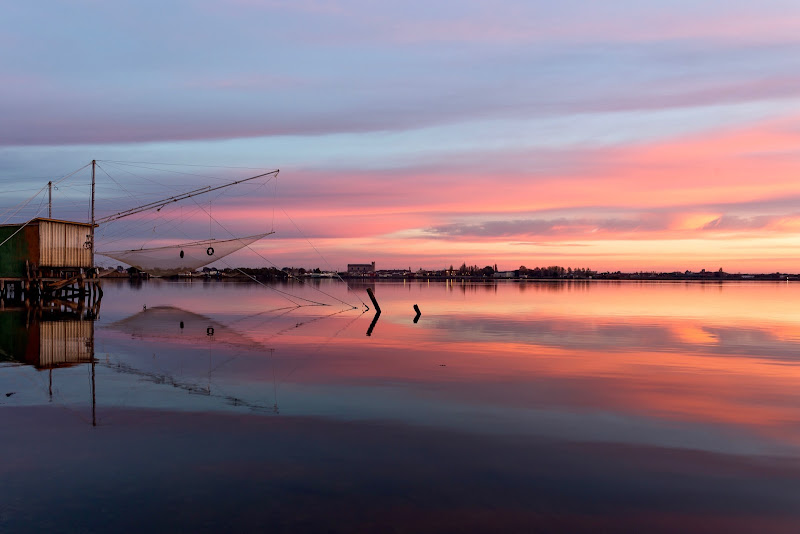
(188, 352)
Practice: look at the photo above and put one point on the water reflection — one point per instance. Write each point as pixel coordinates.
(46, 338)
(57, 335)
(624, 407)
(374, 322)
(183, 350)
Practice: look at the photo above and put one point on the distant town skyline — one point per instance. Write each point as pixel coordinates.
(647, 136)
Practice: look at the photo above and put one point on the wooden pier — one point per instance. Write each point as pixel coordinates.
(82, 290)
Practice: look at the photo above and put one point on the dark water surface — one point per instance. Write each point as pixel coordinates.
(533, 407)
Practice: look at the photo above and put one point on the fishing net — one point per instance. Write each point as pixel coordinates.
(185, 257)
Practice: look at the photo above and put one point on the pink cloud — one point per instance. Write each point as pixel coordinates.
(699, 201)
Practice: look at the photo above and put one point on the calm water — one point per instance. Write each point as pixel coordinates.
(538, 407)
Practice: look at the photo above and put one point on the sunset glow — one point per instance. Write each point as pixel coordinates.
(420, 136)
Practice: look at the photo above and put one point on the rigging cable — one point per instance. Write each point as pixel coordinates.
(23, 205)
(42, 189)
(186, 165)
(318, 348)
(271, 263)
(321, 256)
(41, 203)
(118, 184)
(141, 177)
(285, 294)
(175, 172)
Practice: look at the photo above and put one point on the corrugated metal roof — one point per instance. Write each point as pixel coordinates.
(37, 219)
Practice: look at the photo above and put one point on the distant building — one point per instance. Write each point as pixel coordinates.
(366, 269)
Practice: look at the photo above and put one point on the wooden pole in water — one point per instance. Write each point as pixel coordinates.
(91, 240)
(372, 298)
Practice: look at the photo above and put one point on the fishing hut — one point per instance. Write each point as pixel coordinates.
(47, 258)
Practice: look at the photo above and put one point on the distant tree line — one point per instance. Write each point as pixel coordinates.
(262, 273)
(555, 271)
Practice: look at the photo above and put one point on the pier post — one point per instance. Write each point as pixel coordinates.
(373, 299)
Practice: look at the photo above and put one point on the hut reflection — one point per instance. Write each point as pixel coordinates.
(58, 335)
(47, 338)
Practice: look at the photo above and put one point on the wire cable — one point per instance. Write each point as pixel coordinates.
(320, 255)
(273, 264)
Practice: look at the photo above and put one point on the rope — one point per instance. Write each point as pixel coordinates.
(284, 311)
(73, 173)
(23, 205)
(143, 177)
(271, 263)
(123, 232)
(185, 165)
(33, 197)
(319, 347)
(15, 233)
(321, 256)
(174, 172)
(116, 182)
(26, 224)
(20, 190)
(284, 293)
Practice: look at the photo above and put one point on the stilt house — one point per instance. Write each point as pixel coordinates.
(45, 248)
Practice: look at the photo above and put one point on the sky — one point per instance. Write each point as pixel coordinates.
(615, 135)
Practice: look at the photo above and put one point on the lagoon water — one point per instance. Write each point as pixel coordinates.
(507, 407)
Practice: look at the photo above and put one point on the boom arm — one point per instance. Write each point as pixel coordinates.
(176, 198)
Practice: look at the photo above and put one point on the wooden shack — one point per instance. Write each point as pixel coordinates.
(45, 248)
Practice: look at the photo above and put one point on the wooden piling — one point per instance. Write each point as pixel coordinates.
(372, 298)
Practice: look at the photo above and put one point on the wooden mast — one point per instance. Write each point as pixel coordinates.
(91, 240)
